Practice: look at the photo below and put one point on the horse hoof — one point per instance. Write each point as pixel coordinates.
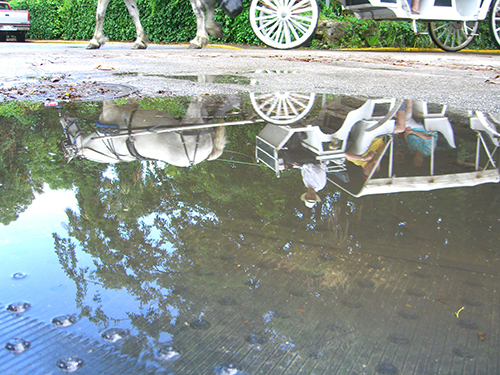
(93, 46)
(139, 46)
(194, 46)
(217, 33)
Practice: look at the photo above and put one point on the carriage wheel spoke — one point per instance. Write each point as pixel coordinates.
(454, 35)
(494, 20)
(282, 107)
(284, 23)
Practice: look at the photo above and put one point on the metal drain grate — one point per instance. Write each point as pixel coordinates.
(48, 350)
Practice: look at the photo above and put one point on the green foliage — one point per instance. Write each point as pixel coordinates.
(46, 20)
(167, 21)
(398, 34)
(238, 29)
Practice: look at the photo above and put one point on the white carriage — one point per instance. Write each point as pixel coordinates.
(286, 24)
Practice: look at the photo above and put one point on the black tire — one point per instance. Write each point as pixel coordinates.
(21, 36)
(452, 36)
(3, 37)
(494, 22)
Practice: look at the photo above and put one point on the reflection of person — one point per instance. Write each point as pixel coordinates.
(313, 173)
(369, 159)
(314, 177)
(419, 140)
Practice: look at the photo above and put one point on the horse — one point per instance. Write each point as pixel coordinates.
(126, 133)
(203, 26)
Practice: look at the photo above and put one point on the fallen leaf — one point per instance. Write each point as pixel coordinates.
(105, 67)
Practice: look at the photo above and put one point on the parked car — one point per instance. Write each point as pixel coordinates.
(13, 22)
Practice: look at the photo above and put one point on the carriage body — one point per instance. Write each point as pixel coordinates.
(430, 10)
(452, 23)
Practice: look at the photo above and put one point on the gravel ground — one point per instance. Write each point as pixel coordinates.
(464, 80)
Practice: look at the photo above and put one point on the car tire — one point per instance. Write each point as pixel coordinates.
(21, 37)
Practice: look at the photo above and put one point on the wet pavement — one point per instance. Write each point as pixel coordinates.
(465, 80)
(126, 250)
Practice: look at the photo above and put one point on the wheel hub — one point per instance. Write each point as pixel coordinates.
(283, 14)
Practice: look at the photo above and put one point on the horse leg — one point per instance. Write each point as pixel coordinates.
(115, 114)
(195, 111)
(142, 40)
(201, 39)
(212, 27)
(219, 142)
(99, 39)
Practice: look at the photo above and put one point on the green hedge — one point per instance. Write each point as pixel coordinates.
(170, 21)
(165, 21)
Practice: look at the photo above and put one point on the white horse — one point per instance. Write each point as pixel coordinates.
(126, 133)
(203, 27)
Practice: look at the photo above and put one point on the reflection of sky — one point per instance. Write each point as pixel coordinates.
(27, 246)
(155, 236)
(41, 219)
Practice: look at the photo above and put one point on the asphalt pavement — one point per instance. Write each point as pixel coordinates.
(466, 80)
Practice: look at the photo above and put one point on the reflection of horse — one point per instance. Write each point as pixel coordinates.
(199, 8)
(137, 134)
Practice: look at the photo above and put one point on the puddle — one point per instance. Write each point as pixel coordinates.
(175, 231)
(213, 78)
(200, 78)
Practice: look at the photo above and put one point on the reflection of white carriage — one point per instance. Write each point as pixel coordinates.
(375, 119)
(452, 23)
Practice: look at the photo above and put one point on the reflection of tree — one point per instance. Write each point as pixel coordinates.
(180, 240)
(30, 156)
(154, 228)
(17, 183)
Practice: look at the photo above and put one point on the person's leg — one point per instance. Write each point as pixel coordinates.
(415, 6)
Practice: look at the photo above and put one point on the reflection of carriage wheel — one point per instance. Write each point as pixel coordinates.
(495, 22)
(284, 24)
(282, 108)
(453, 36)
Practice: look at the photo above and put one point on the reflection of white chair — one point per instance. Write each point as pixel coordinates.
(365, 132)
(374, 122)
(482, 123)
(435, 119)
(443, 126)
(422, 109)
(329, 148)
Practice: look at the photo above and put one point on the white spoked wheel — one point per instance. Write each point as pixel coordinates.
(284, 24)
(282, 108)
(495, 22)
(453, 36)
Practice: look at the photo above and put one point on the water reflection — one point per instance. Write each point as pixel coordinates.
(217, 267)
(357, 141)
(128, 133)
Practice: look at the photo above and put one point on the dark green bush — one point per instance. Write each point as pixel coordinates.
(169, 21)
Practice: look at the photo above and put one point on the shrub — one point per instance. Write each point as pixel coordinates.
(167, 21)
